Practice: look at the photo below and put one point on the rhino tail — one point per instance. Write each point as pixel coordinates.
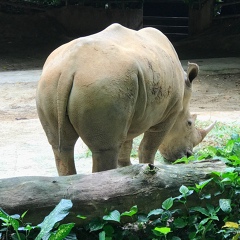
(64, 87)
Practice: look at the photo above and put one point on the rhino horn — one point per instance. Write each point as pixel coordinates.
(205, 131)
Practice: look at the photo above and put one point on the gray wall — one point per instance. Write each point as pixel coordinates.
(79, 20)
(64, 23)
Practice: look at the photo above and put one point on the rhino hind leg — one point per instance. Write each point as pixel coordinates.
(124, 155)
(64, 155)
(65, 161)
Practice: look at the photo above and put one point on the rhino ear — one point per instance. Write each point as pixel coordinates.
(194, 117)
(192, 72)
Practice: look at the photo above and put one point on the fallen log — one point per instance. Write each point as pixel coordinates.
(91, 194)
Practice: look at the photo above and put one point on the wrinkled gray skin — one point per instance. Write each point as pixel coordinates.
(109, 88)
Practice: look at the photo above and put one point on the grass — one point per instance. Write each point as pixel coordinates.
(219, 135)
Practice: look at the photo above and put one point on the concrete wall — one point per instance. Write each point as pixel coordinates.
(64, 23)
(200, 17)
(80, 21)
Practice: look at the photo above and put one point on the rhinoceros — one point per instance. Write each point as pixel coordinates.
(109, 88)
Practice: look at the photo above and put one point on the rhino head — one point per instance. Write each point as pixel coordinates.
(184, 135)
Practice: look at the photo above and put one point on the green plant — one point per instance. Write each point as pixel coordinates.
(47, 227)
(59, 213)
(12, 221)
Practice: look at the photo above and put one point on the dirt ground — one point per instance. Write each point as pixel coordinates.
(211, 93)
(24, 148)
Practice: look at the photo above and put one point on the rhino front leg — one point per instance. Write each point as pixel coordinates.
(104, 159)
(149, 146)
(124, 155)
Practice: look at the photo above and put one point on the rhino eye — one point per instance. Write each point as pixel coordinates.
(189, 122)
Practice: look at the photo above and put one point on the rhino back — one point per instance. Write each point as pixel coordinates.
(121, 72)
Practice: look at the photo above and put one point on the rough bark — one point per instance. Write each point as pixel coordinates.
(92, 194)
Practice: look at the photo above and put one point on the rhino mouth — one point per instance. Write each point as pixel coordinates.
(173, 157)
(189, 153)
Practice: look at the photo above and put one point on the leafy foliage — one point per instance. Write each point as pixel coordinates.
(60, 212)
(47, 230)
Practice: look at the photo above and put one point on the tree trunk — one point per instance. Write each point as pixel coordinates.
(93, 194)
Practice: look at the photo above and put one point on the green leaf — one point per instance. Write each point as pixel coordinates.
(229, 146)
(201, 185)
(205, 196)
(3, 214)
(201, 210)
(58, 213)
(155, 212)
(109, 230)
(27, 228)
(183, 190)
(63, 231)
(225, 205)
(216, 174)
(192, 235)
(132, 211)
(230, 177)
(81, 216)
(163, 230)
(112, 216)
(9, 220)
(23, 215)
(182, 160)
(167, 204)
(214, 218)
(211, 208)
(205, 220)
(180, 223)
(211, 151)
(14, 223)
(102, 235)
(96, 225)
(15, 216)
